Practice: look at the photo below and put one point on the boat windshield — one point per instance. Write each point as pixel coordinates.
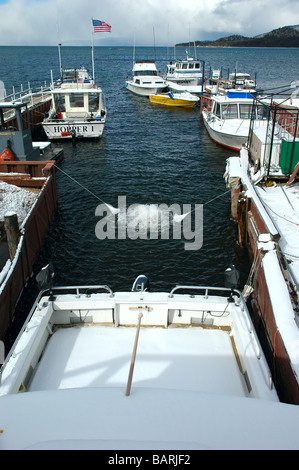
(77, 100)
(59, 100)
(262, 112)
(146, 72)
(93, 102)
(229, 111)
(217, 110)
(245, 111)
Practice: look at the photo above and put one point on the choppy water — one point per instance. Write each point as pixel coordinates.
(150, 155)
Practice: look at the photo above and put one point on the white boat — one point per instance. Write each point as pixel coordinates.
(242, 80)
(217, 84)
(77, 109)
(145, 80)
(187, 73)
(264, 190)
(96, 369)
(227, 117)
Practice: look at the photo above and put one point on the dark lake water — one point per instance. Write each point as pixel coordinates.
(150, 155)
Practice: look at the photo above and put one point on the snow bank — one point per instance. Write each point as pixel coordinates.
(15, 200)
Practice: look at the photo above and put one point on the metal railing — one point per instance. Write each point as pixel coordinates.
(28, 94)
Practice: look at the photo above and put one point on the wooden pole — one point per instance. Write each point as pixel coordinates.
(133, 357)
(11, 225)
(242, 220)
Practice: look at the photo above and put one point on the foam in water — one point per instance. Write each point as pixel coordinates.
(150, 221)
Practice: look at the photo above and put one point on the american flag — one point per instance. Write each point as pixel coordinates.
(101, 26)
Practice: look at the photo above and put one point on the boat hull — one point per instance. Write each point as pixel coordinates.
(67, 130)
(232, 140)
(199, 350)
(140, 90)
(168, 101)
(189, 81)
(271, 297)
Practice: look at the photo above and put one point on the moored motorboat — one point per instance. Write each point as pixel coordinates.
(145, 80)
(188, 73)
(242, 80)
(141, 369)
(263, 181)
(77, 109)
(170, 98)
(227, 117)
(216, 83)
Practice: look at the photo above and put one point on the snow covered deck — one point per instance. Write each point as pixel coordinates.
(282, 204)
(188, 358)
(276, 244)
(200, 378)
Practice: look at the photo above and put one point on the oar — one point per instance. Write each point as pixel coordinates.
(133, 357)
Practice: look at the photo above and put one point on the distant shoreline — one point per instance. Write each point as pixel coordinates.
(240, 47)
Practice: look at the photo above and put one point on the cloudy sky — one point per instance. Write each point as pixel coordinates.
(163, 22)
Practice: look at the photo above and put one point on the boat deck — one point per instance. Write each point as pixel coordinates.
(282, 205)
(190, 358)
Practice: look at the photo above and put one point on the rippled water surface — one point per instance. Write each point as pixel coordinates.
(150, 155)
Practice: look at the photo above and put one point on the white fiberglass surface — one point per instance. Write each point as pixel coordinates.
(98, 356)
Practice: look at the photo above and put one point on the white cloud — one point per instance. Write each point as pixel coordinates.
(36, 22)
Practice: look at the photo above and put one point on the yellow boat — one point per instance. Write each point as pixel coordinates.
(185, 99)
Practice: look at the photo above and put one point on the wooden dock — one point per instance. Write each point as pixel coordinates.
(38, 103)
(31, 233)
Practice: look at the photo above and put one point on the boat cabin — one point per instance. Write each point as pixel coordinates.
(72, 102)
(185, 66)
(237, 106)
(15, 133)
(241, 79)
(76, 97)
(145, 68)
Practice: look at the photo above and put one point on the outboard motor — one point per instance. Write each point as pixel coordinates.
(231, 279)
(140, 284)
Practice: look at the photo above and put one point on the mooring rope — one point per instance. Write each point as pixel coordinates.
(115, 211)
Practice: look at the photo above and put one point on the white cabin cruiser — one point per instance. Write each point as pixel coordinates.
(77, 109)
(242, 80)
(145, 80)
(227, 117)
(187, 73)
(96, 369)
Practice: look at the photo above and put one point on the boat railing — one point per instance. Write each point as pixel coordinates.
(206, 290)
(29, 94)
(78, 290)
(89, 289)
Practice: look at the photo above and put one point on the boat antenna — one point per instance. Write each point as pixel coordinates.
(58, 42)
(60, 63)
(134, 50)
(154, 42)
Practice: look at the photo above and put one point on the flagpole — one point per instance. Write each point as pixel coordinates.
(92, 52)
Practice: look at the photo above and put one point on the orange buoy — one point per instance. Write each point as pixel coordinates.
(6, 155)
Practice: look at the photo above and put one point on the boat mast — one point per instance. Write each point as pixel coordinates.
(134, 50)
(60, 63)
(92, 53)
